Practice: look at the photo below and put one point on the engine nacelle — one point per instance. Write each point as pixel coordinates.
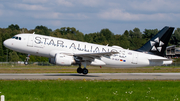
(62, 59)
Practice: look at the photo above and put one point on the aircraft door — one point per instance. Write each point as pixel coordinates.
(135, 58)
(30, 41)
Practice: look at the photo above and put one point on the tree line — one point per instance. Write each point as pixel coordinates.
(132, 39)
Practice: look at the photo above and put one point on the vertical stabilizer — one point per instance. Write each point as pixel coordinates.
(157, 45)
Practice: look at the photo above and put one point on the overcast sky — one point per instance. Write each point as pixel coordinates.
(90, 16)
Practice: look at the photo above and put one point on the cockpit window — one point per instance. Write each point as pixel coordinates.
(16, 37)
(13, 37)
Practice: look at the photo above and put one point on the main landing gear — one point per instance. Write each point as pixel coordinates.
(82, 70)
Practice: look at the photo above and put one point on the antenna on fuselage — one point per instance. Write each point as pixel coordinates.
(33, 32)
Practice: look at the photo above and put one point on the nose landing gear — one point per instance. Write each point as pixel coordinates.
(26, 60)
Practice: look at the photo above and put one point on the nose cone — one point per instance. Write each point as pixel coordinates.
(7, 43)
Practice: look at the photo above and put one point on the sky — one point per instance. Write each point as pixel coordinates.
(89, 16)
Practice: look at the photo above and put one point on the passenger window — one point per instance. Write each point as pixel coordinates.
(19, 38)
(16, 38)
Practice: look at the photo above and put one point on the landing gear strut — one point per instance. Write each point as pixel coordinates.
(82, 70)
(26, 60)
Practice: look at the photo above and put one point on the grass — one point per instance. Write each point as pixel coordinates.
(92, 69)
(60, 90)
(84, 90)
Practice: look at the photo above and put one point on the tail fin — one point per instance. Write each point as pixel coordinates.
(157, 45)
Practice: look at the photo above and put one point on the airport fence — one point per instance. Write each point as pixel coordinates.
(21, 63)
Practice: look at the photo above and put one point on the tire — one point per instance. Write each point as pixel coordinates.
(85, 71)
(26, 62)
(79, 70)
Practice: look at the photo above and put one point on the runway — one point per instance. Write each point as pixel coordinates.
(92, 76)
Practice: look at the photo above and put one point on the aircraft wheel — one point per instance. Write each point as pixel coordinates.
(79, 70)
(85, 71)
(26, 62)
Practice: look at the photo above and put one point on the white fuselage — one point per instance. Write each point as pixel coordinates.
(47, 46)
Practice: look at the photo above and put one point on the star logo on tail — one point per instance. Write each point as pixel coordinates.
(156, 48)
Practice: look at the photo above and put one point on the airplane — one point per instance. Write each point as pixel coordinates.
(67, 52)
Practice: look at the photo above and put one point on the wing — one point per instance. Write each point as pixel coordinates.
(93, 58)
(95, 55)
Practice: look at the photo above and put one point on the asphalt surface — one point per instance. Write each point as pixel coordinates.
(91, 76)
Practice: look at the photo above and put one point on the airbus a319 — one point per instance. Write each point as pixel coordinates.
(67, 52)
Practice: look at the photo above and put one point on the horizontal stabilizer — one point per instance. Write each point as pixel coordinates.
(155, 62)
(160, 60)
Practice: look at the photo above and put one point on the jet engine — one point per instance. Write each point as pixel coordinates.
(62, 59)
